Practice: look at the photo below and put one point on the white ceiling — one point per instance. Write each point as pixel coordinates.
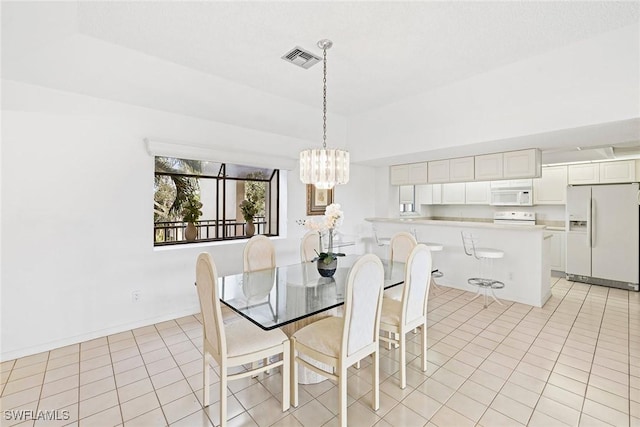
(383, 51)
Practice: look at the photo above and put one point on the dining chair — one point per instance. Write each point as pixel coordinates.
(259, 254)
(400, 317)
(237, 343)
(339, 342)
(309, 245)
(402, 243)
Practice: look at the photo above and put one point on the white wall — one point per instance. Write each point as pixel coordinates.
(77, 217)
(590, 82)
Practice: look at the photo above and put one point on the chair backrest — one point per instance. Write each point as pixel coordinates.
(402, 244)
(417, 279)
(259, 254)
(309, 245)
(207, 285)
(363, 304)
(469, 243)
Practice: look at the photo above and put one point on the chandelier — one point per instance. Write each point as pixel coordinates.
(324, 167)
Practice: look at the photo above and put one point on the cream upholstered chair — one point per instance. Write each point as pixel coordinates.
(309, 245)
(400, 317)
(237, 343)
(401, 245)
(341, 341)
(259, 254)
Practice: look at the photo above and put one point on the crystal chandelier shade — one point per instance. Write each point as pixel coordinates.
(324, 167)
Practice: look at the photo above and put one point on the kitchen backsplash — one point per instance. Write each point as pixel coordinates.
(551, 215)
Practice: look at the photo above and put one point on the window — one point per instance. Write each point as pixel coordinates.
(209, 195)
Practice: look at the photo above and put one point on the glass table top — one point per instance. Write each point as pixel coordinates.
(275, 297)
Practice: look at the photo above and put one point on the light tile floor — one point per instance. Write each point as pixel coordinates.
(576, 361)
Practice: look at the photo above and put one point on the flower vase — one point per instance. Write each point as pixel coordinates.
(327, 270)
(251, 228)
(191, 232)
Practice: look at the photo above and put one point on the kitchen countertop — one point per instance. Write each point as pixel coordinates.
(469, 223)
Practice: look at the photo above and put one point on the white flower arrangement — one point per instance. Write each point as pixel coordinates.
(331, 220)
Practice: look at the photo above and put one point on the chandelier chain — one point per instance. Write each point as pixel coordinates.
(324, 102)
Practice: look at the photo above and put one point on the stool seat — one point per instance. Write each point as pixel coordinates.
(489, 253)
(433, 247)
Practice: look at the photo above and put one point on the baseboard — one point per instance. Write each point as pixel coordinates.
(52, 345)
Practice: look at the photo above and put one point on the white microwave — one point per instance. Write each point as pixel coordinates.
(511, 197)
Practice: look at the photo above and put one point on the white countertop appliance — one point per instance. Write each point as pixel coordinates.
(603, 235)
(514, 192)
(514, 218)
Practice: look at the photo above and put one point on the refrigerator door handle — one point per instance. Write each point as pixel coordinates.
(590, 224)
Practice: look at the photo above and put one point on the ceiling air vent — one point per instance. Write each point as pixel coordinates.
(301, 57)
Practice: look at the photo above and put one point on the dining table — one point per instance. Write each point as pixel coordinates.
(291, 296)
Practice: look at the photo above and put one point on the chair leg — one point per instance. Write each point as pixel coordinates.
(223, 394)
(205, 378)
(255, 365)
(376, 380)
(342, 396)
(403, 359)
(286, 371)
(357, 365)
(424, 347)
(294, 374)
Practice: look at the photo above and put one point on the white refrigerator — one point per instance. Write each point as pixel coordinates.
(603, 235)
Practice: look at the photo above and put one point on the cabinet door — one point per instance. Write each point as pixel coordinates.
(453, 193)
(439, 171)
(399, 174)
(551, 187)
(558, 250)
(418, 173)
(522, 164)
(588, 173)
(613, 172)
(436, 193)
(424, 194)
(488, 167)
(477, 193)
(462, 169)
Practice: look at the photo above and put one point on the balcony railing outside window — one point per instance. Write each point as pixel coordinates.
(171, 232)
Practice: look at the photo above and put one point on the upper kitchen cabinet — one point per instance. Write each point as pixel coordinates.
(488, 167)
(622, 171)
(587, 173)
(508, 165)
(462, 169)
(429, 194)
(603, 172)
(438, 171)
(453, 193)
(452, 170)
(551, 187)
(522, 164)
(478, 193)
(409, 174)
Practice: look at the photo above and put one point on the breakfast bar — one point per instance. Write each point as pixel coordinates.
(525, 268)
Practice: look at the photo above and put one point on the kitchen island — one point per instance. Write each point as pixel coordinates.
(525, 268)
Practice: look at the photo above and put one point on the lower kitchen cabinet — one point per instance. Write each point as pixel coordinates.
(558, 253)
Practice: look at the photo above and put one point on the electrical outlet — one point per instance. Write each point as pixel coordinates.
(136, 296)
(510, 275)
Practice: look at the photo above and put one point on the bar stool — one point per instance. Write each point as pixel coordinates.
(486, 257)
(433, 247)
